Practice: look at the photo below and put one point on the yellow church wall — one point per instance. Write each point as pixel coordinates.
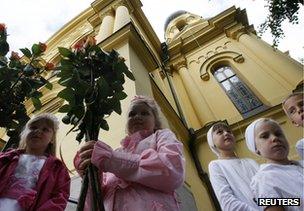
(183, 98)
(283, 65)
(215, 96)
(270, 88)
(222, 107)
(159, 77)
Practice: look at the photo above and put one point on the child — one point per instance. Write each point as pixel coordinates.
(278, 177)
(230, 176)
(293, 106)
(32, 178)
(145, 171)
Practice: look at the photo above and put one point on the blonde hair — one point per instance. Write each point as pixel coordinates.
(295, 94)
(151, 104)
(51, 120)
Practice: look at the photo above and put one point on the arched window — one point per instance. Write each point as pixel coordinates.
(241, 96)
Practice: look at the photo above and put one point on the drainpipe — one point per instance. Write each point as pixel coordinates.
(202, 174)
(165, 58)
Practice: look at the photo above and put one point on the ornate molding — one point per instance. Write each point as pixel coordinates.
(162, 74)
(178, 64)
(205, 76)
(125, 4)
(209, 62)
(109, 12)
(236, 31)
(239, 59)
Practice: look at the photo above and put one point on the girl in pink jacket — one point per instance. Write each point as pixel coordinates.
(145, 171)
(32, 178)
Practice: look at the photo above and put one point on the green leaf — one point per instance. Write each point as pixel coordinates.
(79, 136)
(129, 74)
(64, 109)
(49, 85)
(104, 125)
(26, 52)
(68, 95)
(78, 111)
(120, 95)
(82, 88)
(4, 48)
(122, 67)
(103, 87)
(65, 52)
(66, 119)
(34, 93)
(37, 103)
(115, 104)
(36, 50)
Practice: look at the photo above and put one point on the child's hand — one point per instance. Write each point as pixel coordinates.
(85, 154)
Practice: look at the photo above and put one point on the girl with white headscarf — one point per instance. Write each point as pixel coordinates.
(230, 176)
(279, 177)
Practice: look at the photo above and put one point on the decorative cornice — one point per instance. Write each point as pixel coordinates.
(236, 31)
(179, 63)
(239, 59)
(129, 34)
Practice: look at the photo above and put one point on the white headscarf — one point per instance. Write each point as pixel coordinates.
(211, 143)
(249, 136)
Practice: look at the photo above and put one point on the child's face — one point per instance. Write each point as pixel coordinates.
(294, 109)
(271, 142)
(140, 118)
(39, 136)
(223, 139)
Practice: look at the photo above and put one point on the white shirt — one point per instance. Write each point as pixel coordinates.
(230, 179)
(280, 181)
(25, 177)
(300, 148)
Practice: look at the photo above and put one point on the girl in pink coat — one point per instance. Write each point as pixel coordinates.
(145, 171)
(32, 178)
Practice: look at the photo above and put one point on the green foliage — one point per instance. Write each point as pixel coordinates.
(19, 81)
(93, 81)
(280, 10)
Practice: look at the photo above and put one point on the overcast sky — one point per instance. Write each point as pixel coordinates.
(31, 21)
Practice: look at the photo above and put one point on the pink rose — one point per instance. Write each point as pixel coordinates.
(42, 46)
(49, 66)
(14, 56)
(2, 27)
(80, 44)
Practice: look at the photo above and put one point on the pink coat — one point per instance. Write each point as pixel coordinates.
(143, 174)
(53, 186)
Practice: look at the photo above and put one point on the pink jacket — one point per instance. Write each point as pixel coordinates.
(53, 187)
(143, 174)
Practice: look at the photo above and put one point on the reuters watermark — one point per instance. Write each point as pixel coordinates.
(278, 201)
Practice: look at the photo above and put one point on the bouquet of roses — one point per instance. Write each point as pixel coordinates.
(93, 88)
(20, 80)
